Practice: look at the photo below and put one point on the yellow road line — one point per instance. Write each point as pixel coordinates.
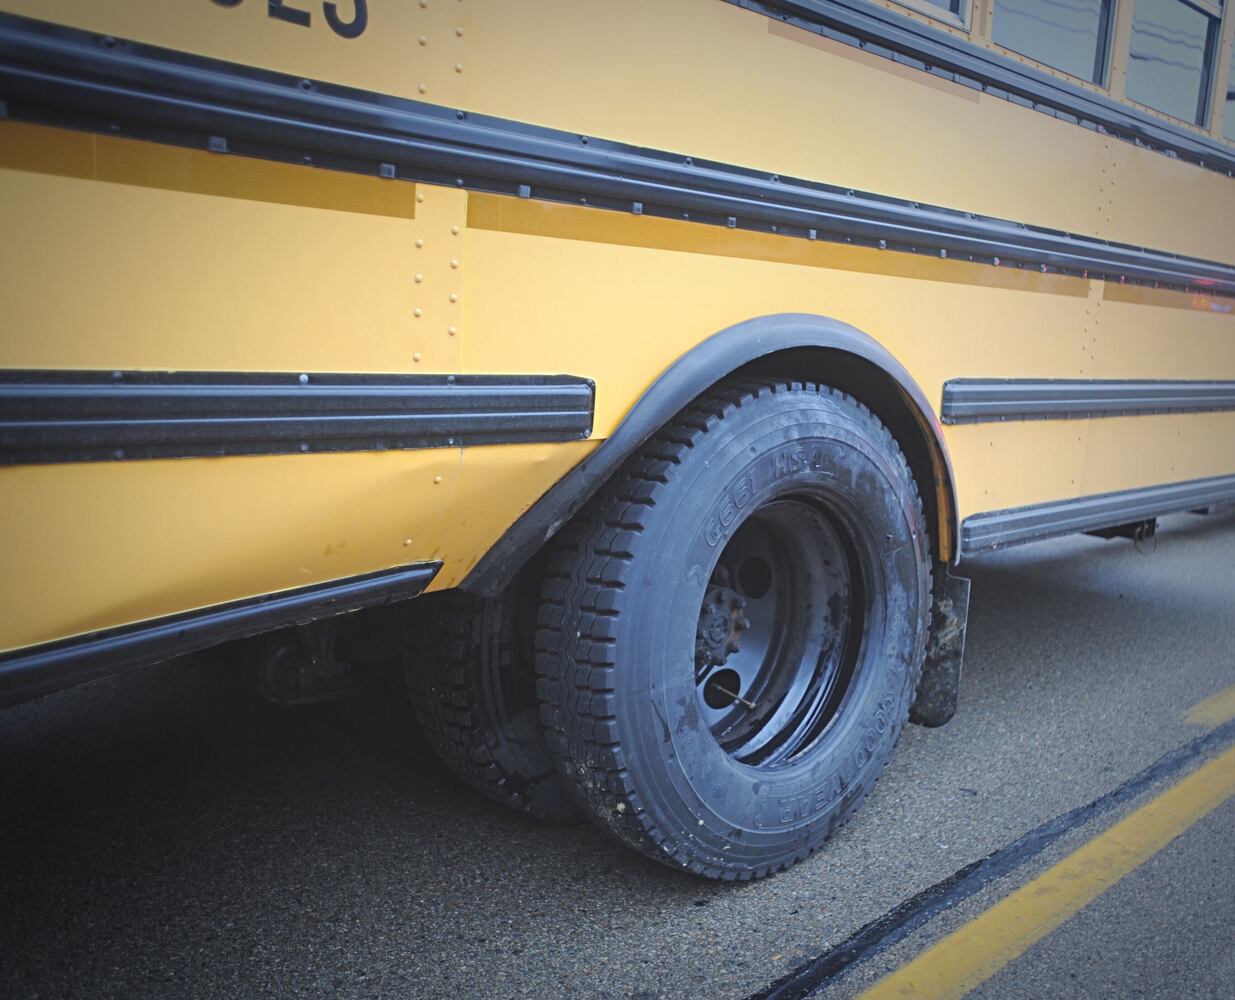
(1214, 710)
(975, 952)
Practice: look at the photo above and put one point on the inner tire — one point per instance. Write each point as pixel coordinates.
(468, 666)
(731, 633)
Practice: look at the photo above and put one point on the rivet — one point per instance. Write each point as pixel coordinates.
(454, 297)
(417, 312)
(458, 67)
(454, 263)
(459, 32)
(423, 40)
(416, 356)
(452, 330)
(407, 541)
(304, 379)
(424, 3)
(422, 87)
(454, 230)
(419, 278)
(420, 244)
(420, 196)
(437, 479)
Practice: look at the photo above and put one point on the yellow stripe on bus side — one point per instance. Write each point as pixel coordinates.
(975, 952)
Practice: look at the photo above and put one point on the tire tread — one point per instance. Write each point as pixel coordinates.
(589, 566)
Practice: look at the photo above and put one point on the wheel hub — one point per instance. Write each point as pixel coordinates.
(722, 621)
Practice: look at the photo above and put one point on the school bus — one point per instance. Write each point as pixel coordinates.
(676, 352)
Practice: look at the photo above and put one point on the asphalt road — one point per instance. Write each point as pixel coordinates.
(161, 834)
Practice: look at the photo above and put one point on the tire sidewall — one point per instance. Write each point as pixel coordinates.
(779, 443)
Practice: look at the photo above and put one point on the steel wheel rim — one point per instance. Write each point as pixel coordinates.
(779, 631)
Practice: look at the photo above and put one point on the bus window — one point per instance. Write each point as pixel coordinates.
(1228, 118)
(953, 7)
(1172, 56)
(1071, 35)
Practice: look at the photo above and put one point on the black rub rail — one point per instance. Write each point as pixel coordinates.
(69, 78)
(982, 400)
(1001, 528)
(67, 416)
(49, 667)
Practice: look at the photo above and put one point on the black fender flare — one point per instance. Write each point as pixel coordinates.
(709, 362)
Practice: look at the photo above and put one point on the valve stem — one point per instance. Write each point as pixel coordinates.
(733, 694)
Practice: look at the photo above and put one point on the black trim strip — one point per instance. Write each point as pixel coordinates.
(49, 667)
(58, 416)
(69, 78)
(1001, 528)
(980, 400)
(887, 33)
(898, 923)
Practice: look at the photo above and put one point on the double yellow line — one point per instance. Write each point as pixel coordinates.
(972, 954)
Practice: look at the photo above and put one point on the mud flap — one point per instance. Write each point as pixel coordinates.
(939, 689)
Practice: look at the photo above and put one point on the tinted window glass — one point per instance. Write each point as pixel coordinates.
(950, 5)
(1067, 34)
(1168, 66)
(1228, 116)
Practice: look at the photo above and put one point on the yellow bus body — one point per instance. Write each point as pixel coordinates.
(130, 254)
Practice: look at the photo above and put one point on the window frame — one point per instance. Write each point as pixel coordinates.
(962, 20)
(1224, 76)
(1103, 83)
(1218, 19)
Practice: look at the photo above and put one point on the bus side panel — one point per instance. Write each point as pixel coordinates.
(123, 255)
(626, 295)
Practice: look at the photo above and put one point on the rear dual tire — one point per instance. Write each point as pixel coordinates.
(468, 667)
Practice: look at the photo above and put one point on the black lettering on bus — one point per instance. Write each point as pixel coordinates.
(277, 9)
(347, 29)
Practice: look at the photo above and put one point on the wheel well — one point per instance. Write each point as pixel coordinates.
(879, 392)
(794, 345)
